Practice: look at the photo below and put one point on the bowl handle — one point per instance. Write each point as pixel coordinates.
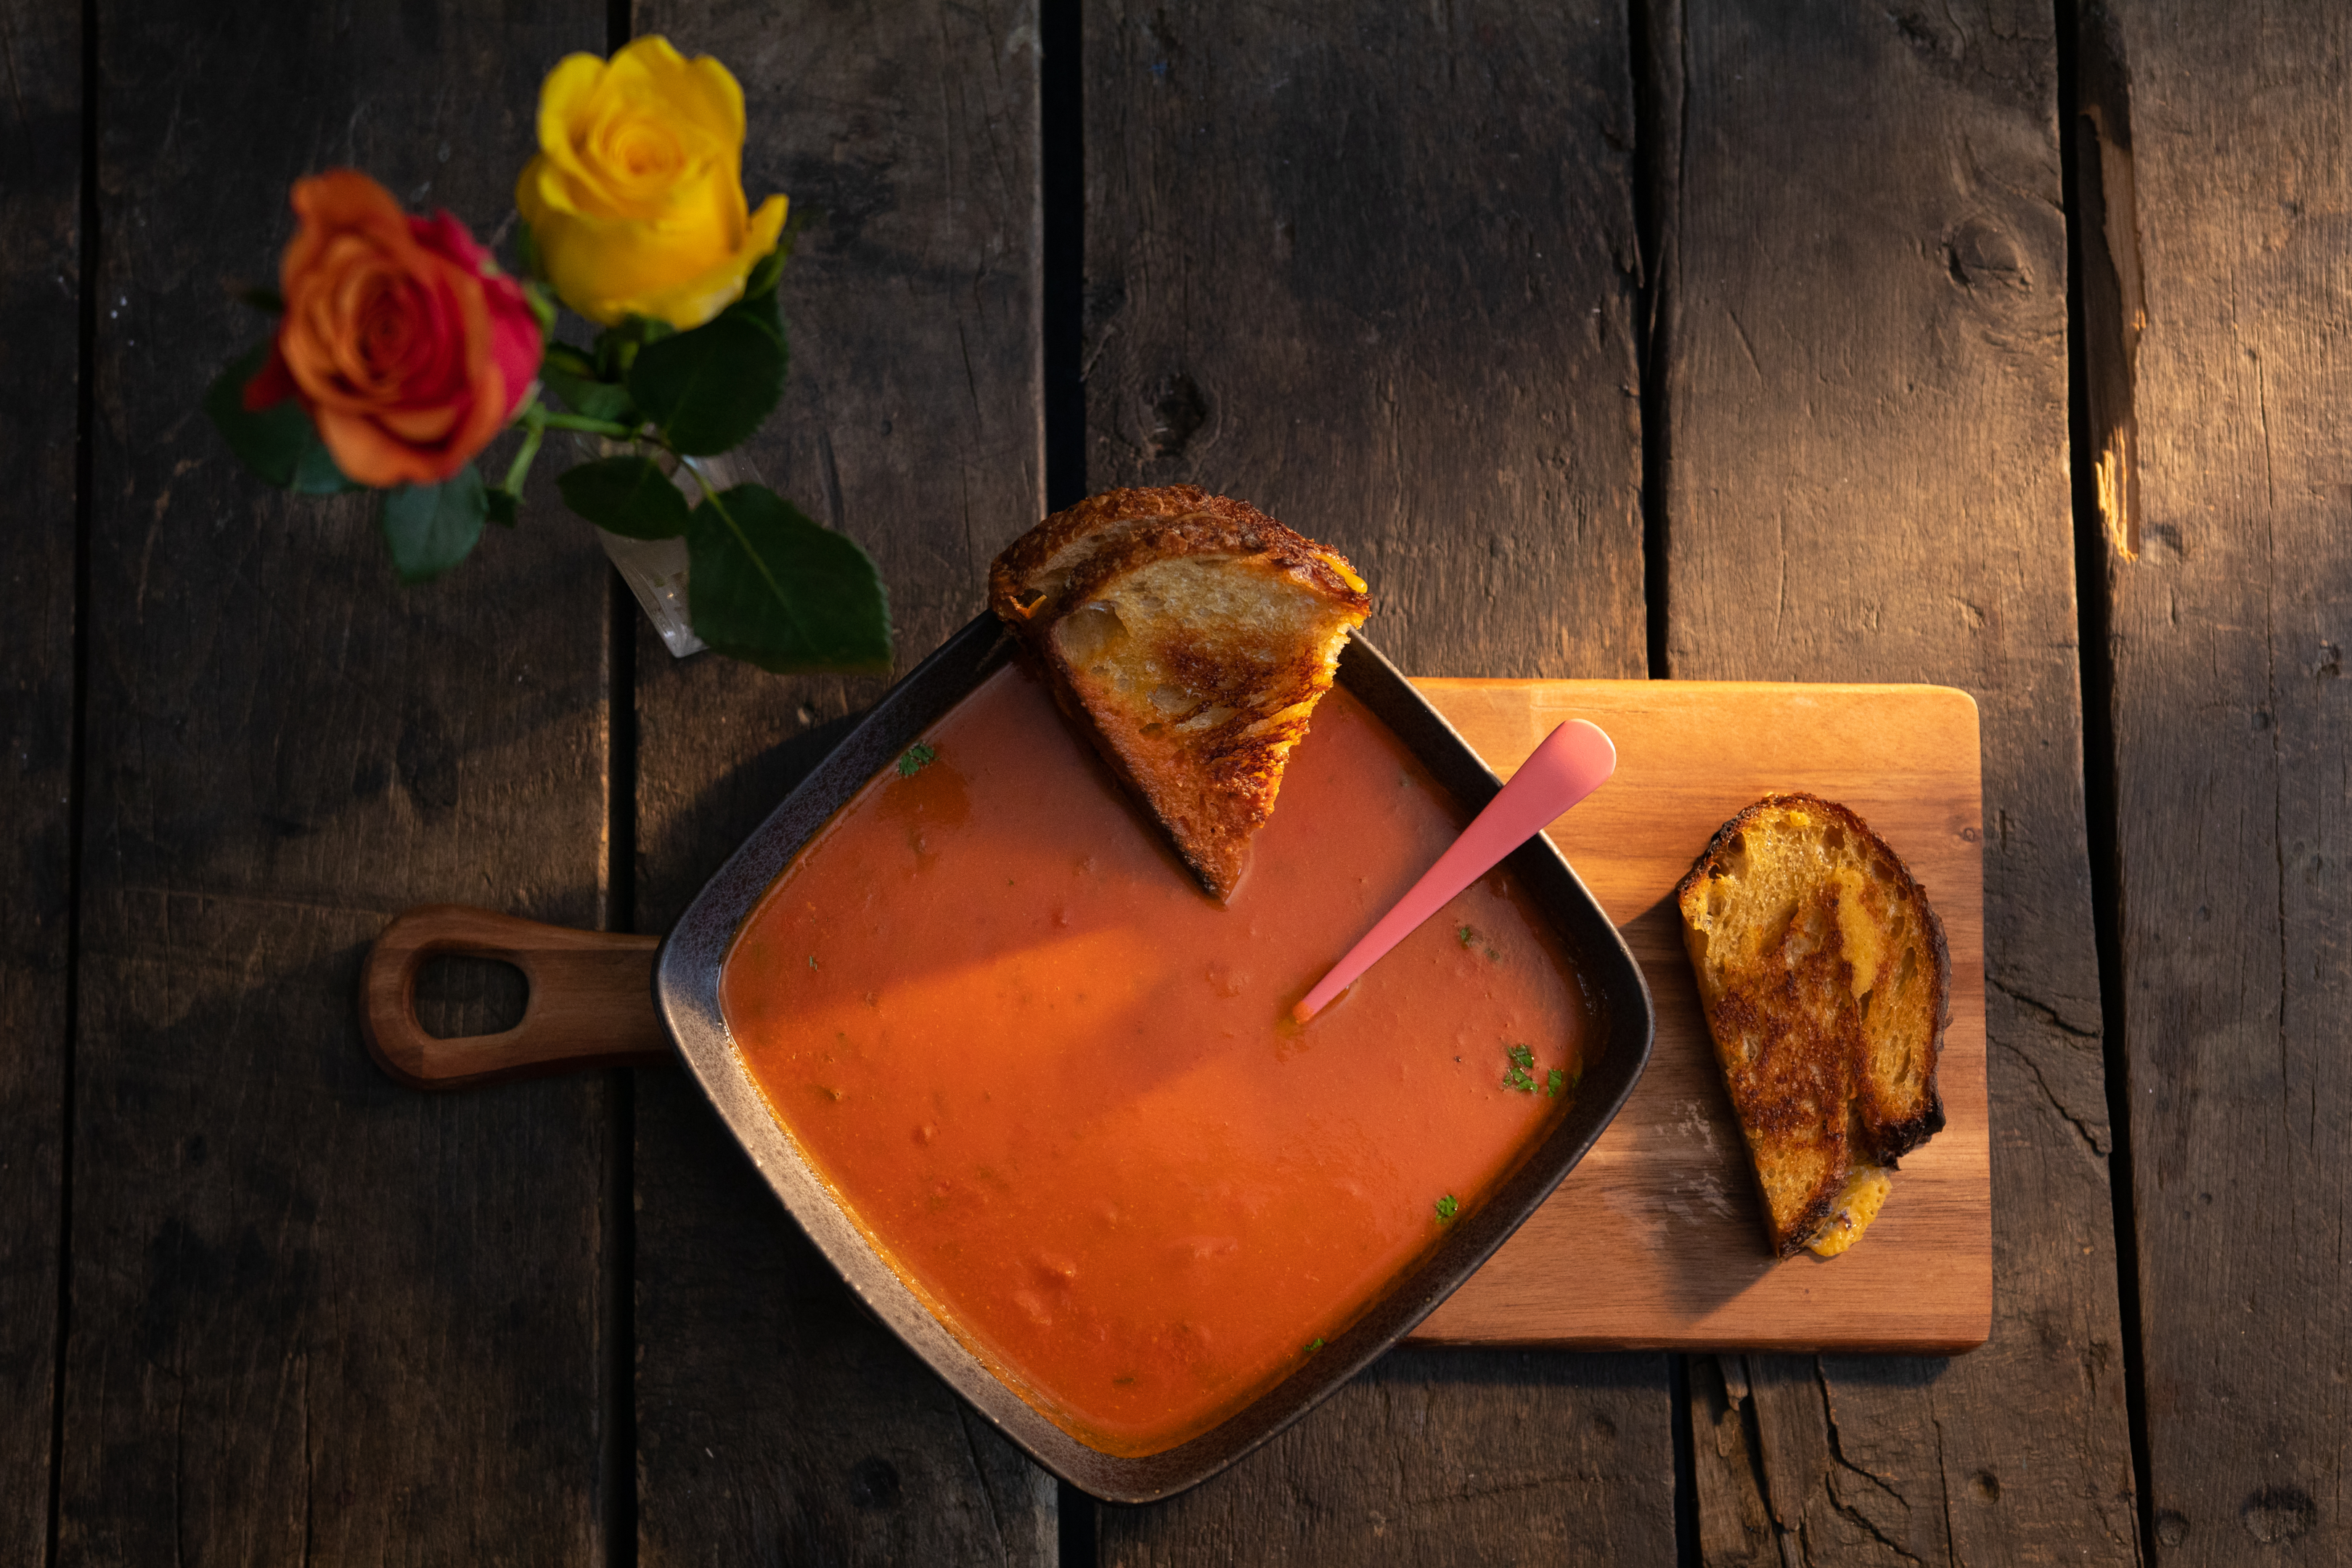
(591, 1002)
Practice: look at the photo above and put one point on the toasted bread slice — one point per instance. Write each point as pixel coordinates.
(1191, 635)
(1827, 987)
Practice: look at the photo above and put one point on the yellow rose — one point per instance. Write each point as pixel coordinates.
(636, 200)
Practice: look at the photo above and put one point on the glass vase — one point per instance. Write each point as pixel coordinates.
(656, 569)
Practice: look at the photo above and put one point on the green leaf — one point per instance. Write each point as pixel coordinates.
(763, 307)
(279, 442)
(315, 473)
(709, 389)
(572, 377)
(766, 272)
(431, 527)
(769, 586)
(626, 495)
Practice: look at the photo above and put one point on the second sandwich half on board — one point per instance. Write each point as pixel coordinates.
(1827, 985)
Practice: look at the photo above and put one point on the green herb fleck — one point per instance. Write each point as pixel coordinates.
(1521, 1075)
(1446, 1209)
(1554, 1082)
(1314, 1344)
(1121, 1381)
(812, 961)
(916, 756)
(1469, 938)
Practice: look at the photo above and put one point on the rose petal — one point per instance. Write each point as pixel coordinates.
(272, 385)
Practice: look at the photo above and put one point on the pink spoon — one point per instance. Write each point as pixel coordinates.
(1573, 760)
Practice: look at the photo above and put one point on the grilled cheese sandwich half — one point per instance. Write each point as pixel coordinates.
(1191, 635)
(1827, 986)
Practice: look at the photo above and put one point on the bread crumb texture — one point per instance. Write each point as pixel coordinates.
(1827, 986)
(1191, 635)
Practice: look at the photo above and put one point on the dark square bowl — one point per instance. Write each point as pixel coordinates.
(685, 992)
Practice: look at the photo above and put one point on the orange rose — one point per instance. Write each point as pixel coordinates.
(401, 339)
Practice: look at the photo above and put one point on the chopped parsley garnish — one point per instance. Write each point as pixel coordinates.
(1466, 936)
(1554, 1082)
(1314, 1344)
(1522, 1074)
(1446, 1209)
(915, 757)
(1469, 938)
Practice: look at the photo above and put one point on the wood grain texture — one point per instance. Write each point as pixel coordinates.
(1866, 481)
(40, 301)
(1375, 269)
(1655, 1238)
(315, 1315)
(2231, 724)
(1437, 1459)
(776, 1424)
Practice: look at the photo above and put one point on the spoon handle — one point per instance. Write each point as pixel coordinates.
(1573, 760)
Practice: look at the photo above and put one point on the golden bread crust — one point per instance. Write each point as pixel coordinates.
(1084, 544)
(1191, 635)
(1827, 983)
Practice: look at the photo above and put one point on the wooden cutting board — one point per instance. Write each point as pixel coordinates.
(1654, 1239)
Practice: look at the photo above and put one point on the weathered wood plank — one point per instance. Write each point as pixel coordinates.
(2230, 598)
(41, 298)
(1867, 480)
(1375, 269)
(315, 1315)
(776, 1424)
(1434, 1458)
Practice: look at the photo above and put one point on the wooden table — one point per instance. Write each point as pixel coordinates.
(1688, 339)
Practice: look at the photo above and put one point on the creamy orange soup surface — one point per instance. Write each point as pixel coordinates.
(1056, 1086)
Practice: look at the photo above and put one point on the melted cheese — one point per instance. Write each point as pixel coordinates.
(1857, 1205)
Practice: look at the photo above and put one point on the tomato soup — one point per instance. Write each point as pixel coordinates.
(1056, 1086)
